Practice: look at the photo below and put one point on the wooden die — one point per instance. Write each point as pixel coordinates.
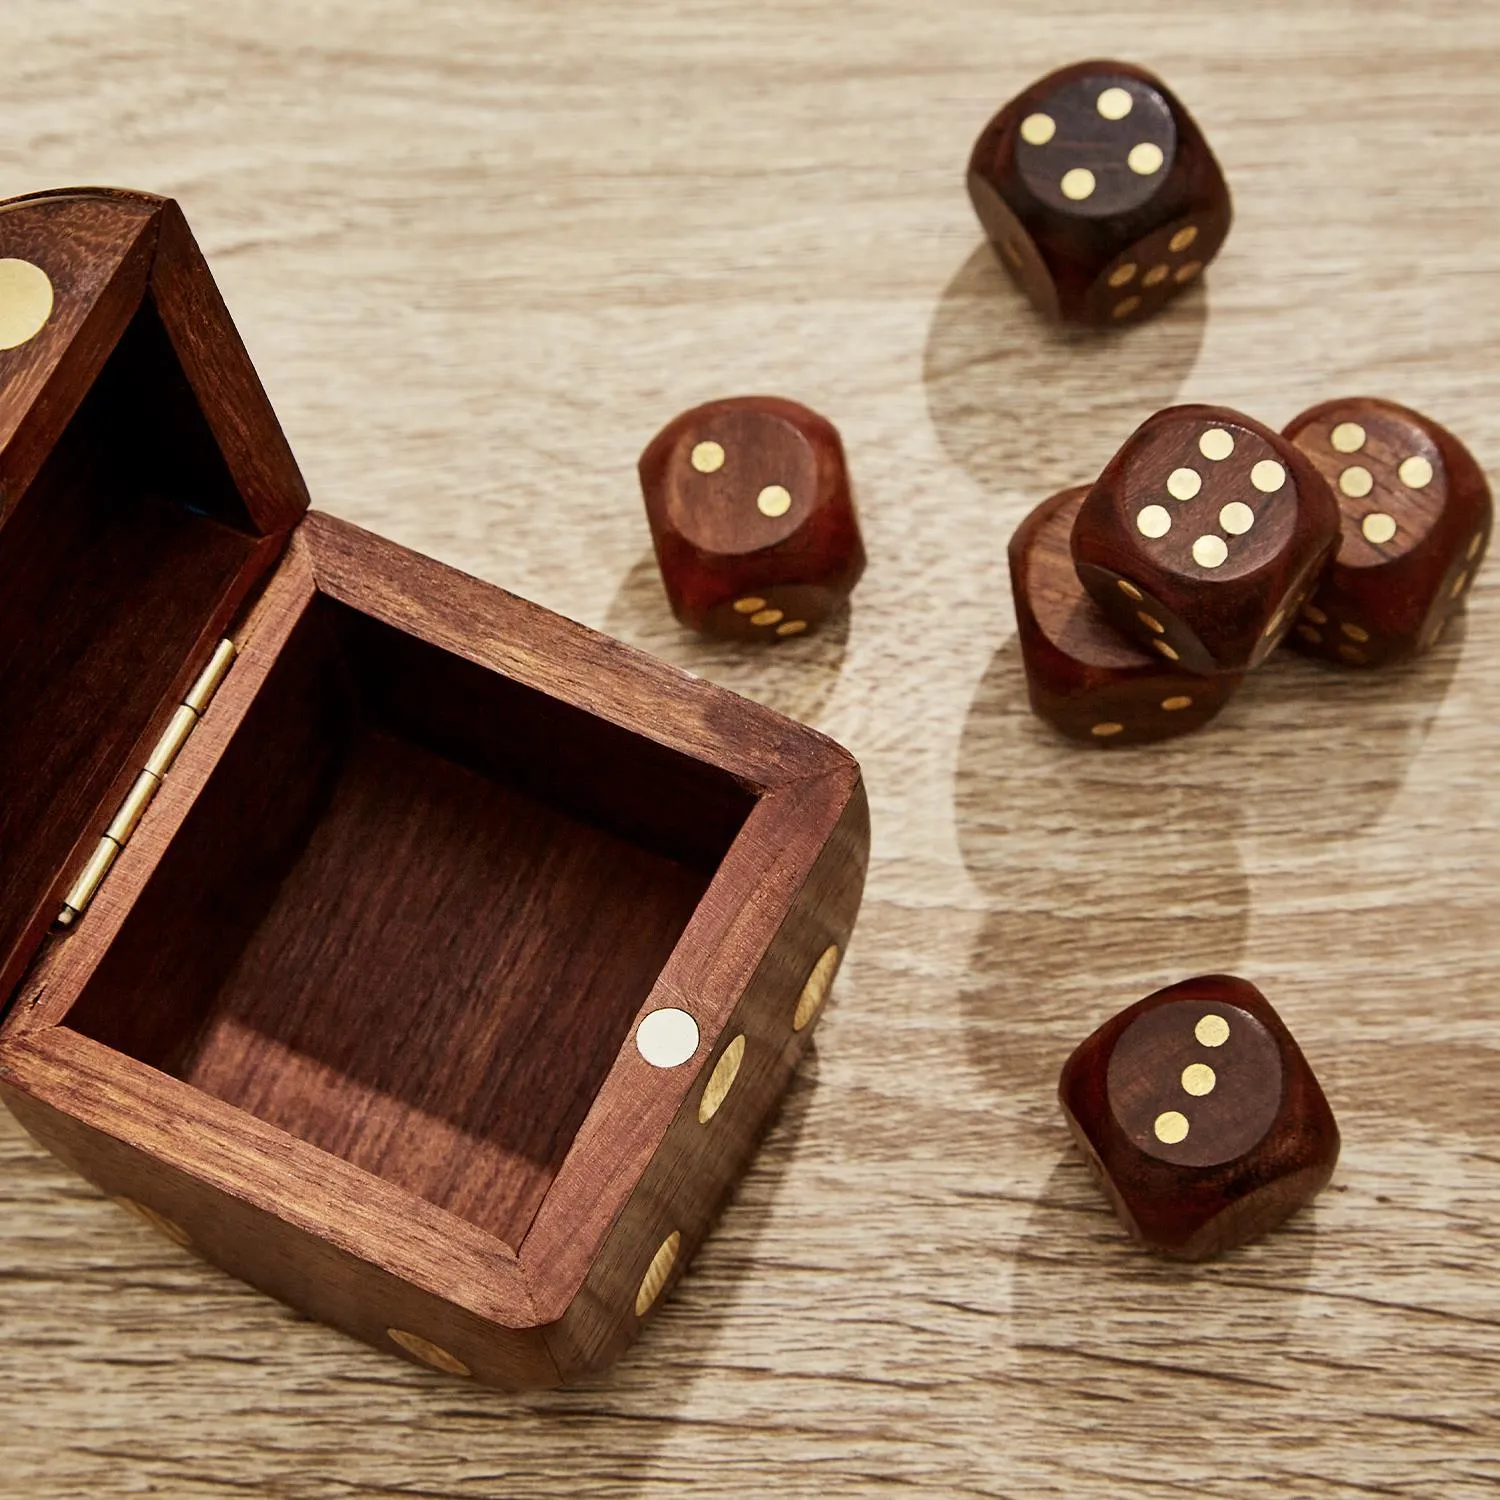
(1083, 677)
(424, 959)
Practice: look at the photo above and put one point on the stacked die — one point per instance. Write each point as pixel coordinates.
(1209, 539)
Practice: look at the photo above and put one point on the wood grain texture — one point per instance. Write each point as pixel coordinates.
(480, 253)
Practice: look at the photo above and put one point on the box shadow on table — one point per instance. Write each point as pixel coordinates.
(1021, 403)
(796, 677)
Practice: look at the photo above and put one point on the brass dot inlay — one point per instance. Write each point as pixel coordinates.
(1156, 275)
(1347, 437)
(1171, 1128)
(1268, 476)
(1236, 518)
(1037, 130)
(657, 1273)
(428, 1352)
(1182, 239)
(1105, 731)
(26, 302)
(1128, 588)
(767, 616)
(775, 500)
(159, 1222)
(1173, 705)
(1154, 521)
(1145, 158)
(1356, 481)
(1150, 622)
(721, 1080)
(1115, 104)
(1187, 272)
(1416, 472)
(1459, 585)
(1355, 633)
(1125, 307)
(1212, 1031)
(1378, 527)
(1123, 275)
(708, 457)
(1184, 484)
(1313, 613)
(1169, 652)
(1311, 636)
(750, 606)
(1216, 444)
(1199, 1079)
(815, 991)
(1352, 653)
(792, 627)
(1078, 184)
(1210, 552)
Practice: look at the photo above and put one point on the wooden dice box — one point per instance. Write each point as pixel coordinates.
(420, 957)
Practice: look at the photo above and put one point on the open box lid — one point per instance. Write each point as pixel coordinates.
(145, 488)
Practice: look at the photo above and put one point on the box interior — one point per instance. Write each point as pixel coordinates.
(413, 913)
(111, 565)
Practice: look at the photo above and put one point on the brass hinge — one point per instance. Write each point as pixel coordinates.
(148, 783)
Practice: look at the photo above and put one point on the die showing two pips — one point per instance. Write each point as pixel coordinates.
(752, 517)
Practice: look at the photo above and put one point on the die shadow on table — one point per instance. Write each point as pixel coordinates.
(1098, 1316)
(796, 676)
(1106, 874)
(1022, 403)
(1328, 751)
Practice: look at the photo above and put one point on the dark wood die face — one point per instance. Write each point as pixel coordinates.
(1200, 1116)
(1144, 277)
(1085, 678)
(752, 517)
(1209, 499)
(1195, 1083)
(1202, 537)
(1415, 520)
(1096, 145)
(1099, 193)
(777, 612)
(739, 479)
(1018, 251)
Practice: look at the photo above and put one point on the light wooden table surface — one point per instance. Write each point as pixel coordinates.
(480, 252)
